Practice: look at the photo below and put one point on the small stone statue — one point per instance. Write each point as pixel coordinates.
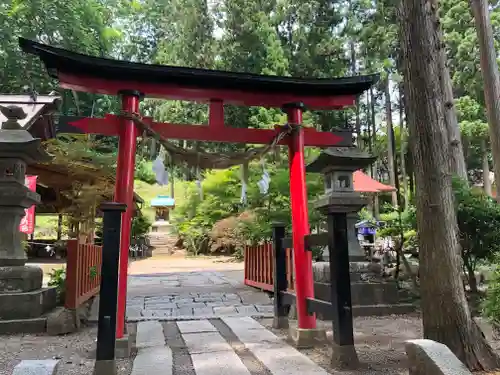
(13, 114)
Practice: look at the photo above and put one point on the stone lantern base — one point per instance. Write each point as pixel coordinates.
(23, 301)
(371, 295)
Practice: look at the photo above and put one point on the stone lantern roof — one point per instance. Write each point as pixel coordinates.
(16, 142)
(341, 159)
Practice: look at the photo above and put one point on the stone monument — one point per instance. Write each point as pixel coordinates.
(371, 294)
(22, 299)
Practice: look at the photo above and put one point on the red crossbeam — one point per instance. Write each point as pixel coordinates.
(84, 83)
(215, 132)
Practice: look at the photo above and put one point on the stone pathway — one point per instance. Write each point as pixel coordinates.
(225, 346)
(188, 295)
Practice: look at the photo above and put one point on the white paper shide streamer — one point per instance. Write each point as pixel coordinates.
(160, 171)
(264, 182)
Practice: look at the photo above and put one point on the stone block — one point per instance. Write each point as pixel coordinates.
(123, 347)
(27, 304)
(224, 310)
(306, 338)
(182, 311)
(363, 292)
(36, 367)
(192, 305)
(208, 299)
(427, 357)
(255, 298)
(36, 325)
(20, 279)
(247, 309)
(265, 308)
(62, 321)
(203, 311)
(160, 306)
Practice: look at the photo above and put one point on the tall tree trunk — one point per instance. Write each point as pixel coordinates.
(456, 160)
(376, 203)
(445, 312)
(390, 149)
(491, 80)
(403, 145)
(369, 139)
(486, 169)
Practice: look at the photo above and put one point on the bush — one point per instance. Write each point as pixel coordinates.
(194, 219)
(140, 226)
(144, 171)
(478, 219)
(491, 302)
(58, 280)
(228, 235)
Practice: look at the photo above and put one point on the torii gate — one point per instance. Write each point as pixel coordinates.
(132, 81)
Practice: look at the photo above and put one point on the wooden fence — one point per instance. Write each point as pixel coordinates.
(259, 267)
(83, 273)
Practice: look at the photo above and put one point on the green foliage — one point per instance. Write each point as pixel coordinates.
(478, 219)
(491, 302)
(140, 226)
(393, 227)
(58, 280)
(195, 218)
(144, 172)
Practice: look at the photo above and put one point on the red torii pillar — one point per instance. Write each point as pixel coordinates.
(302, 259)
(124, 193)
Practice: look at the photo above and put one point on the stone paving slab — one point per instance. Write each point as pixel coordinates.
(219, 363)
(256, 315)
(279, 357)
(196, 326)
(205, 342)
(153, 361)
(152, 297)
(231, 345)
(149, 334)
(244, 323)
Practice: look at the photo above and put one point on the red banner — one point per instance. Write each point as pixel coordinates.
(28, 221)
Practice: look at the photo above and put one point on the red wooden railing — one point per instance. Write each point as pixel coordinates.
(83, 273)
(259, 267)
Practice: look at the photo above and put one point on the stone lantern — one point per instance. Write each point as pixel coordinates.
(337, 166)
(370, 293)
(21, 293)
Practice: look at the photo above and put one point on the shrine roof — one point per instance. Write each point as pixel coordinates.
(34, 107)
(363, 183)
(107, 76)
(162, 201)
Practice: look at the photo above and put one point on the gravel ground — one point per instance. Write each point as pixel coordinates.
(379, 344)
(75, 351)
